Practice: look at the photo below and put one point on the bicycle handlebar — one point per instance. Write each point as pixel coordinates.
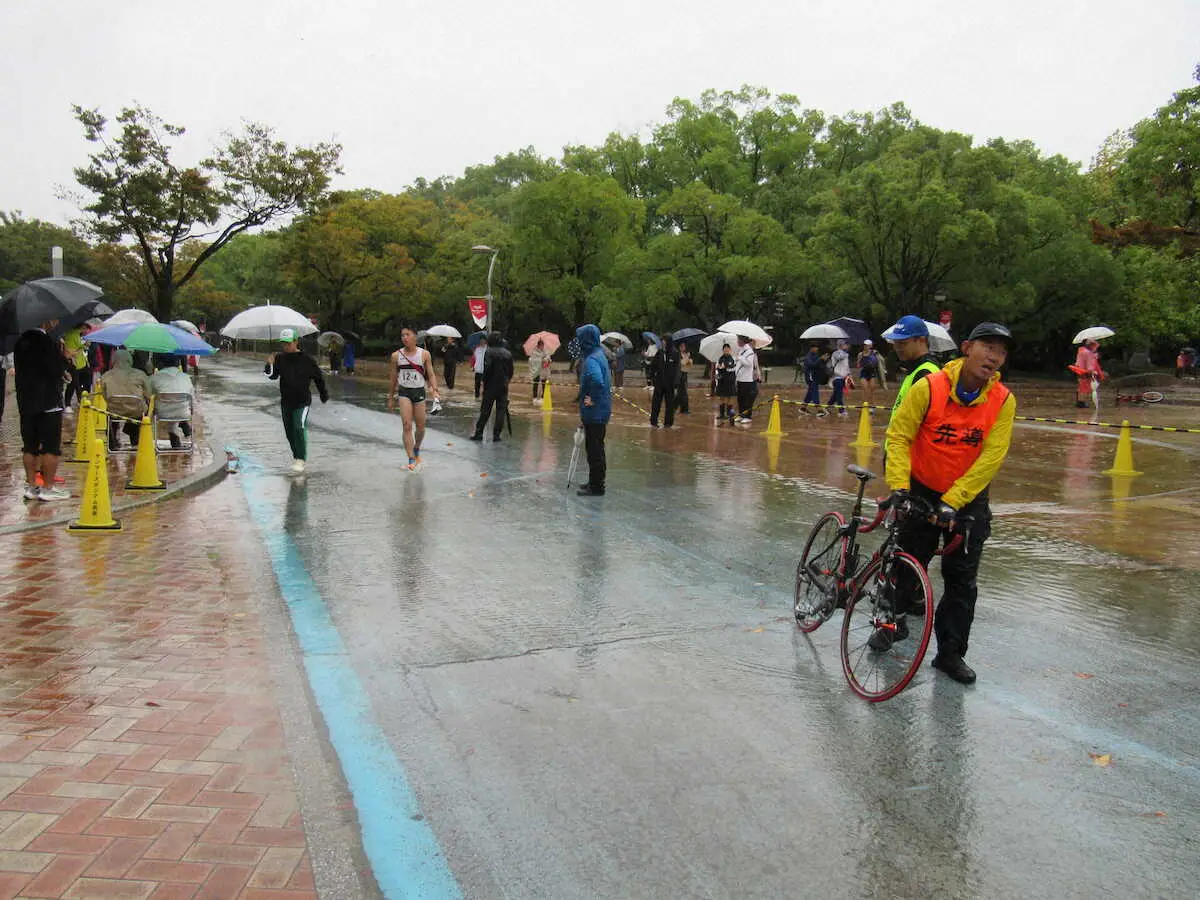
(919, 507)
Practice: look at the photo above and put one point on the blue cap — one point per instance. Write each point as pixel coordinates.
(907, 327)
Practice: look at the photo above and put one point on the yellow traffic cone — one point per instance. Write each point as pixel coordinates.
(83, 432)
(547, 405)
(775, 422)
(773, 442)
(1123, 463)
(84, 397)
(862, 456)
(864, 429)
(145, 467)
(95, 507)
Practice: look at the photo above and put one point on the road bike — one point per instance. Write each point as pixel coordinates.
(880, 654)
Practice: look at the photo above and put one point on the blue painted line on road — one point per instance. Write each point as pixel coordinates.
(401, 847)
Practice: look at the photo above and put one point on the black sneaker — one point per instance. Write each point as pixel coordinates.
(955, 666)
(588, 491)
(475, 437)
(884, 637)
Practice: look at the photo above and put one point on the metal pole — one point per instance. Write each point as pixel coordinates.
(56, 261)
(491, 302)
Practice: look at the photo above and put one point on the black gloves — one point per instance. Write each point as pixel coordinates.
(897, 498)
(945, 515)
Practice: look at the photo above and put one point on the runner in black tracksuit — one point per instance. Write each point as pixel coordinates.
(294, 370)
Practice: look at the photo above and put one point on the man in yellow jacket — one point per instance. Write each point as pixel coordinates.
(946, 442)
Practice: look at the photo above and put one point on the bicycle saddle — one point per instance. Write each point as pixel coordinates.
(860, 473)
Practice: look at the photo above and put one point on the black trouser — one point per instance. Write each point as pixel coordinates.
(448, 374)
(593, 442)
(956, 609)
(490, 399)
(536, 381)
(746, 392)
(478, 384)
(681, 394)
(81, 380)
(663, 395)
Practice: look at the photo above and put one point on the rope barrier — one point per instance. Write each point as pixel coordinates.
(625, 399)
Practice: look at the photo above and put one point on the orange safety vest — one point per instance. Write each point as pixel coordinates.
(952, 435)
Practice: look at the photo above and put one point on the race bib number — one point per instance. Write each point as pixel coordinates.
(410, 378)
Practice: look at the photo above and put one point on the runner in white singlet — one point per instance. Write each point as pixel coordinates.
(412, 371)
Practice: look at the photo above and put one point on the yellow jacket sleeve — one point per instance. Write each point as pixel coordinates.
(902, 431)
(991, 457)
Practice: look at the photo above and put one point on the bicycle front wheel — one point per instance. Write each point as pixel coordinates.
(818, 572)
(880, 654)
(1152, 396)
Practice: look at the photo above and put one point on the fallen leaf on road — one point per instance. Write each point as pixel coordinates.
(1084, 675)
(1152, 815)
(1101, 759)
(483, 474)
(1122, 705)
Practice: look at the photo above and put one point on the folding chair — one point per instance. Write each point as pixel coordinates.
(127, 406)
(172, 409)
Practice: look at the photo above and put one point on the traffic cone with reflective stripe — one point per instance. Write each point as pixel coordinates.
(145, 467)
(864, 429)
(100, 418)
(83, 432)
(95, 507)
(547, 405)
(775, 422)
(1123, 463)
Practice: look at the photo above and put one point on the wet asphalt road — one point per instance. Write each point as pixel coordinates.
(608, 698)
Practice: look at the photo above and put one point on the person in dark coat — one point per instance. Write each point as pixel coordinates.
(663, 373)
(452, 353)
(595, 406)
(42, 371)
(497, 373)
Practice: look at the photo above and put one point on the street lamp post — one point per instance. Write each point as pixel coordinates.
(491, 315)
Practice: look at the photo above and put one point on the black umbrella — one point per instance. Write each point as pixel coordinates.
(61, 297)
(856, 329)
(688, 334)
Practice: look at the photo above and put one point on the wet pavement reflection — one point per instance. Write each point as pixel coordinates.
(603, 698)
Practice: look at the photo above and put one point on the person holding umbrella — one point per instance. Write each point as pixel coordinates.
(452, 356)
(1088, 373)
(595, 407)
(681, 389)
(294, 371)
(725, 368)
(747, 376)
(539, 368)
(41, 373)
(663, 372)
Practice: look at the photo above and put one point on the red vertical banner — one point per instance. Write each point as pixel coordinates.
(944, 318)
(478, 307)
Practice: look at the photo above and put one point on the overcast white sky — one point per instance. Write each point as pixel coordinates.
(427, 88)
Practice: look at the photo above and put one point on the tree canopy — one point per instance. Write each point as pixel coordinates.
(738, 204)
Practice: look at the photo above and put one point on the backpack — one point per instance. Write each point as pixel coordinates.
(822, 371)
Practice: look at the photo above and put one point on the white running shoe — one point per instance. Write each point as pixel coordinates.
(298, 466)
(31, 491)
(49, 495)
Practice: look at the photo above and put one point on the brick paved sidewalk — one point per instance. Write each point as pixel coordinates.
(141, 746)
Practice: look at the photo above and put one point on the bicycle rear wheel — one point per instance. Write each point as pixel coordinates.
(879, 674)
(818, 571)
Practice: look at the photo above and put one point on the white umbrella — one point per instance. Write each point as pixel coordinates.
(128, 316)
(615, 337)
(940, 340)
(1095, 333)
(186, 326)
(758, 336)
(710, 347)
(824, 332)
(262, 323)
(448, 331)
(327, 339)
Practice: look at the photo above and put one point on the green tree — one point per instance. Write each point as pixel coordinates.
(568, 232)
(141, 196)
(25, 251)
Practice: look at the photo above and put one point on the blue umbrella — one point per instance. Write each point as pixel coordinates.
(474, 339)
(688, 334)
(652, 338)
(154, 337)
